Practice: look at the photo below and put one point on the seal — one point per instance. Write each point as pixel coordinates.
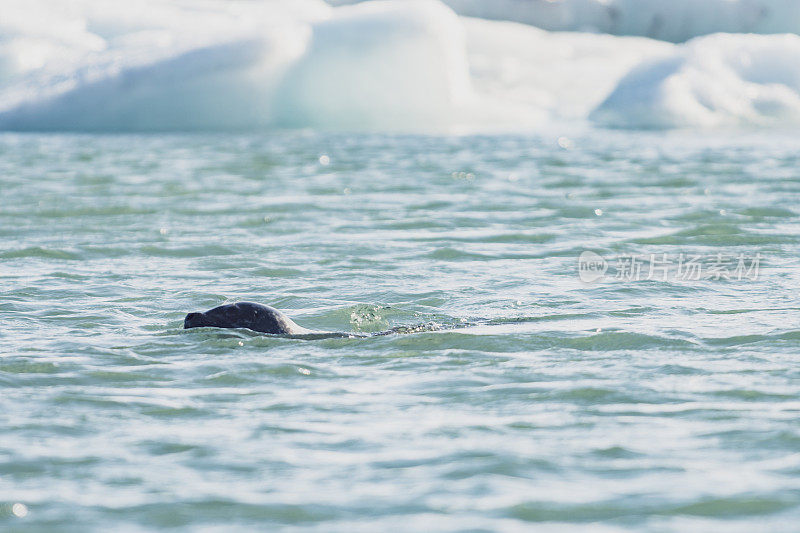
(248, 315)
(265, 319)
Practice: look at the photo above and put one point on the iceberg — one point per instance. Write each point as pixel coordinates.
(148, 66)
(393, 65)
(711, 82)
(381, 64)
(670, 20)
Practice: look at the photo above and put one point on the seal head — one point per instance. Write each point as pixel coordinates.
(256, 317)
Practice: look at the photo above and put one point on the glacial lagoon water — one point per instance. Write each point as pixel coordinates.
(520, 398)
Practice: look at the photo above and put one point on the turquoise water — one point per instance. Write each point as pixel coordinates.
(521, 398)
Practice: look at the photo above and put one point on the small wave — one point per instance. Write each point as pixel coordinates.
(500, 238)
(624, 340)
(454, 254)
(267, 272)
(733, 506)
(186, 251)
(39, 252)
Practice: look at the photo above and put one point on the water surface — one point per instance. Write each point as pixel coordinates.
(528, 399)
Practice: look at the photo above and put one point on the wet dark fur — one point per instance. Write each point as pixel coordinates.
(247, 315)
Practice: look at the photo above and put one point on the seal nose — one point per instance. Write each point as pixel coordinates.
(193, 320)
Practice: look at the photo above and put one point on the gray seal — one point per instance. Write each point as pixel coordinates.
(248, 315)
